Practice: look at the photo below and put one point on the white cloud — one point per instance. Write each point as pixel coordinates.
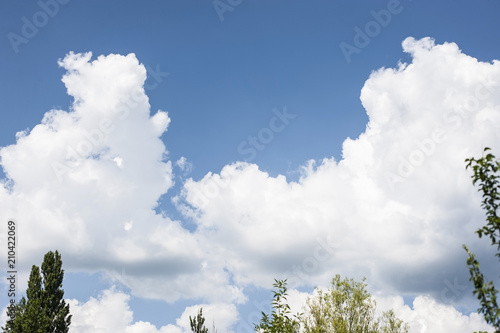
(396, 208)
(426, 315)
(100, 171)
(110, 313)
(220, 315)
(185, 166)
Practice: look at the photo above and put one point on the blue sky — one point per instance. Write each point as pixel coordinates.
(224, 77)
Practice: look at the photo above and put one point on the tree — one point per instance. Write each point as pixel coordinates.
(53, 295)
(198, 323)
(347, 307)
(44, 309)
(486, 171)
(34, 319)
(389, 323)
(279, 321)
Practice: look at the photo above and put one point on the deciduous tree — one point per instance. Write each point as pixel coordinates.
(486, 173)
(347, 307)
(280, 320)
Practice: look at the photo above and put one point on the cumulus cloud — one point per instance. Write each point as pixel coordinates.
(427, 315)
(110, 313)
(424, 315)
(396, 208)
(86, 181)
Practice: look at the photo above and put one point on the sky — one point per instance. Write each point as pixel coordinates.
(184, 154)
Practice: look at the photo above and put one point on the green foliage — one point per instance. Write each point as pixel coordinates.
(318, 318)
(34, 318)
(279, 321)
(14, 325)
(44, 309)
(389, 323)
(486, 173)
(197, 323)
(347, 307)
(53, 295)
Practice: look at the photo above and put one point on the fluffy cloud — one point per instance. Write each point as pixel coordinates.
(426, 315)
(108, 313)
(396, 208)
(111, 313)
(86, 181)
